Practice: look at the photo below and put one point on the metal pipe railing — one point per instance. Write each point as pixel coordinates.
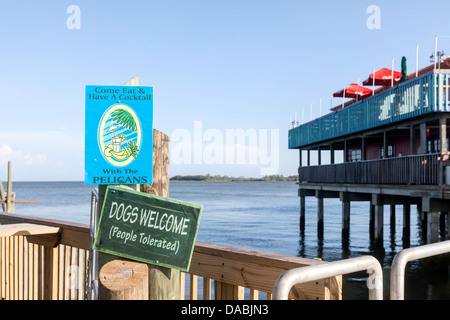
(407, 255)
(296, 276)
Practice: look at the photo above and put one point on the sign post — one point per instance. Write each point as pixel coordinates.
(163, 283)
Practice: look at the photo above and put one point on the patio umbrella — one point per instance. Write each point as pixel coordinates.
(353, 91)
(382, 77)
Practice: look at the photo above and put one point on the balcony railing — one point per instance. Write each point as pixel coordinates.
(418, 170)
(409, 99)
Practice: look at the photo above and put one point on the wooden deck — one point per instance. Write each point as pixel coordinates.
(59, 270)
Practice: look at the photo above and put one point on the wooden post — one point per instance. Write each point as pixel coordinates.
(300, 158)
(345, 199)
(412, 137)
(9, 196)
(432, 226)
(443, 134)
(2, 196)
(371, 221)
(302, 212)
(124, 280)
(448, 225)
(392, 220)
(319, 156)
(319, 196)
(162, 283)
(377, 201)
(363, 148)
(331, 154)
(406, 224)
(423, 138)
(442, 225)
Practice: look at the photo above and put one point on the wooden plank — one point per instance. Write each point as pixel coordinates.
(251, 269)
(182, 285)
(231, 292)
(64, 274)
(7, 268)
(193, 287)
(25, 268)
(21, 268)
(2, 196)
(9, 204)
(254, 294)
(24, 229)
(206, 289)
(55, 274)
(48, 273)
(71, 273)
(2, 267)
(73, 234)
(40, 273)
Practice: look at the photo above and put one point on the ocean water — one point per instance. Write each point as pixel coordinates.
(265, 216)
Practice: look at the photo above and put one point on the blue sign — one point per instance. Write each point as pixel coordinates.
(119, 135)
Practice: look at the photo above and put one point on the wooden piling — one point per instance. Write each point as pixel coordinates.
(9, 196)
(345, 199)
(319, 196)
(302, 212)
(124, 280)
(392, 218)
(432, 226)
(448, 225)
(406, 225)
(377, 201)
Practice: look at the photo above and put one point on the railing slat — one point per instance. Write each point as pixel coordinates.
(418, 169)
(193, 284)
(25, 269)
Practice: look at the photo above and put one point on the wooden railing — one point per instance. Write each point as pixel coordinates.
(417, 169)
(29, 271)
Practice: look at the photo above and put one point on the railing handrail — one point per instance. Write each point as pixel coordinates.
(311, 273)
(407, 255)
(423, 169)
(414, 97)
(230, 266)
(434, 154)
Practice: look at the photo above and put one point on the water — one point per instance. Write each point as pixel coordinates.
(265, 216)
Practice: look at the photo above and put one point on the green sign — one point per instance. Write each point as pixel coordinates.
(148, 228)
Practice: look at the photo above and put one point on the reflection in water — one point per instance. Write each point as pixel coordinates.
(424, 279)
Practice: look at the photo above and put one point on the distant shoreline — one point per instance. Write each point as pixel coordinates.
(226, 178)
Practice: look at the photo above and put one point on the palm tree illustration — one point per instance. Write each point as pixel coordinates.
(125, 119)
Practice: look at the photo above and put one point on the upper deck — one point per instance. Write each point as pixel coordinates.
(419, 95)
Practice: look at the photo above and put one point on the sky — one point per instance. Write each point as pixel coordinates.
(216, 67)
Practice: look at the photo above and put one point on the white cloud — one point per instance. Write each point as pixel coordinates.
(43, 155)
(8, 154)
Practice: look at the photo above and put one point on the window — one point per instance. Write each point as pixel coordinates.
(355, 155)
(434, 145)
(390, 151)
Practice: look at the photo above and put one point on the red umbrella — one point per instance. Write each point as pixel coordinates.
(382, 77)
(353, 91)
